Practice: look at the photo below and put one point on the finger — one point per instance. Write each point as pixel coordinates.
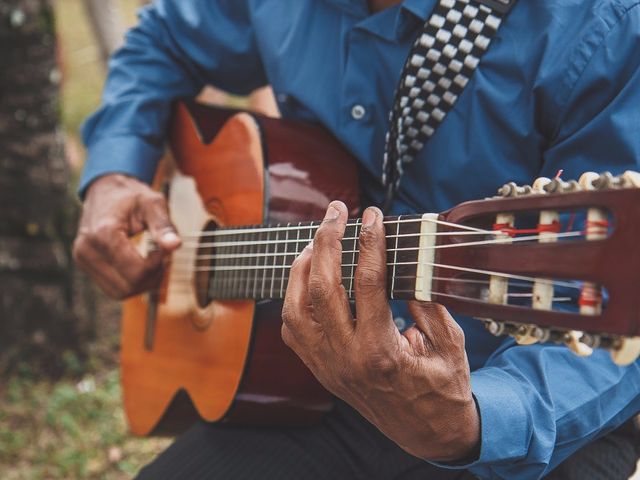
(440, 330)
(296, 314)
(127, 260)
(155, 215)
(327, 294)
(372, 306)
(113, 249)
(107, 278)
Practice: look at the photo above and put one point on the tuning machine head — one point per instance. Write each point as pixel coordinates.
(625, 350)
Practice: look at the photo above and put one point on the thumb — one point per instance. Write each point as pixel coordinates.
(155, 215)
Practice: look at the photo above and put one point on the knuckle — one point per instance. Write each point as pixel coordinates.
(319, 289)
(103, 230)
(370, 279)
(288, 314)
(380, 363)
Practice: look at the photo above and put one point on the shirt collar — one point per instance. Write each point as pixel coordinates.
(391, 24)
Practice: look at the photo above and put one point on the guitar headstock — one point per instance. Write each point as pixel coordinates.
(554, 261)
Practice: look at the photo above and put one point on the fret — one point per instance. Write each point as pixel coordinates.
(395, 258)
(234, 263)
(257, 249)
(349, 256)
(284, 262)
(247, 261)
(264, 262)
(274, 260)
(241, 261)
(406, 256)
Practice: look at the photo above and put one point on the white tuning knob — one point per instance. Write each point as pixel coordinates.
(627, 352)
(540, 183)
(631, 179)
(587, 179)
(526, 335)
(573, 341)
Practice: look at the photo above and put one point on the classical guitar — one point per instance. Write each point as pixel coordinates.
(562, 256)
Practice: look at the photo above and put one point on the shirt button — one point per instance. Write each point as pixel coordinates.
(358, 112)
(400, 322)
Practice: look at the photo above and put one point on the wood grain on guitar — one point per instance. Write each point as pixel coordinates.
(557, 261)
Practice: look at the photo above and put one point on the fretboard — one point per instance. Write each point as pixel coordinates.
(255, 262)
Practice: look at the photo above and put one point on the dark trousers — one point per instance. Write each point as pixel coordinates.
(343, 446)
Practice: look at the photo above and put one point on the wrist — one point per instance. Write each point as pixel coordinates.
(461, 444)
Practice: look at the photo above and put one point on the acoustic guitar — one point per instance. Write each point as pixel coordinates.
(561, 256)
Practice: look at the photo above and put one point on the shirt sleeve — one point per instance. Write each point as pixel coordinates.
(178, 47)
(539, 404)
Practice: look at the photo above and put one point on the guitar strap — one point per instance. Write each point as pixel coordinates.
(439, 66)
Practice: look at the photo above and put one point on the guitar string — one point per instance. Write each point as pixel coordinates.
(530, 284)
(357, 222)
(433, 292)
(543, 281)
(505, 241)
(194, 246)
(188, 288)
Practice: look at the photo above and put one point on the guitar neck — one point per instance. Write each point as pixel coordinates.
(255, 262)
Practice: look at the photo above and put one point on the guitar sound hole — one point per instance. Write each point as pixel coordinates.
(204, 266)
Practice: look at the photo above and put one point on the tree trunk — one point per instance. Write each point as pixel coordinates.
(37, 212)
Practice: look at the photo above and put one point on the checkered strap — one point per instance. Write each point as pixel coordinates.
(439, 66)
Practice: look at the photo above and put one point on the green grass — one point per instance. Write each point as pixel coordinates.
(69, 429)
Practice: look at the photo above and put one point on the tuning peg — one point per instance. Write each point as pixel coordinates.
(540, 183)
(630, 179)
(557, 185)
(606, 180)
(587, 179)
(494, 328)
(573, 340)
(626, 351)
(591, 340)
(524, 335)
(512, 190)
(541, 334)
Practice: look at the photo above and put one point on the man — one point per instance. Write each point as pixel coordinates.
(558, 89)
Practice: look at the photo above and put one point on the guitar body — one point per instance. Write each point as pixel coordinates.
(224, 360)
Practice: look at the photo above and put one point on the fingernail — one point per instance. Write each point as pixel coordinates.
(369, 217)
(170, 237)
(332, 213)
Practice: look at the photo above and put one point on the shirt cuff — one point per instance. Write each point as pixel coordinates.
(129, 155)
(505, 423)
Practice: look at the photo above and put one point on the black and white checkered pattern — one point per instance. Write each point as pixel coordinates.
(440, 64)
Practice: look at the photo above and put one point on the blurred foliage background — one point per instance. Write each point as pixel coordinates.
(68, 422)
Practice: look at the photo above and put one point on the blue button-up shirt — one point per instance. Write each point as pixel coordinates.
(558, 89)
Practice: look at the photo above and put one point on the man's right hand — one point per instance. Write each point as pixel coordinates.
(117, 207)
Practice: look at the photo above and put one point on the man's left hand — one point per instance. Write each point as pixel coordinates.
(413, 386)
